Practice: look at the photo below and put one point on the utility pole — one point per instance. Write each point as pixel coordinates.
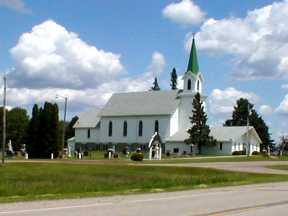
(4, 120)
(64, 121)
(248, 123)
(64, 126)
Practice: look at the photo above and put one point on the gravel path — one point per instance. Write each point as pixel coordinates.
(249, 166)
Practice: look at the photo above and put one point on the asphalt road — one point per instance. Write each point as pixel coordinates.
(264, 200)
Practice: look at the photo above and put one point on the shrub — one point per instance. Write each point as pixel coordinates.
(264, 154)
(256, 153)
(168, 154)
(238, 153)
(137, 156)
(116, 155)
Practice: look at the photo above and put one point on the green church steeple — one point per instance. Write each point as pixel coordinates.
(193, 66)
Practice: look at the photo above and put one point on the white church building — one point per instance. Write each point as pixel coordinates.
(133, 118)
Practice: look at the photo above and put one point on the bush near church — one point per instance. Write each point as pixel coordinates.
(239, 153)
(256, 153)
(137, 156)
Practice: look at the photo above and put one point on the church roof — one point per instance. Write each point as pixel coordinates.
(193, 66)
(221, 134)
(88, 119)
(141, 104)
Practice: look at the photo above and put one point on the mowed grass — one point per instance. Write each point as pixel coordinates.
(31, 181)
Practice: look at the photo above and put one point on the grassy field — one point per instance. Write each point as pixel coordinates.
(30, 181)
(96, 155)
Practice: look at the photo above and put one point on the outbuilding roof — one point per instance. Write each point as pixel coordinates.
(221, 134)
(228, 133)
(141, 104)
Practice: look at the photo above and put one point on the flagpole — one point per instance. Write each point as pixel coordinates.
(4, 120)
(248, 143)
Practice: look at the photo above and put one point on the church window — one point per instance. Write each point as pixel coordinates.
(110, 129)
(156, 126)
(189, 85)
(221, 146)
(125, 128)
(140, 129)
(88, 133)
(198, 85)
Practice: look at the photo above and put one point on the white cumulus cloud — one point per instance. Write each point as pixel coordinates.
(185, 12)
(51, 56)
(82, 99)
(283, 107)
(266, 110)
(284, 86)
(223, 101)
(52, 61)
(157, 65)
(258, 43)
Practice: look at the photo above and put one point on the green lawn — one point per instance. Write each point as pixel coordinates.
(30, 181)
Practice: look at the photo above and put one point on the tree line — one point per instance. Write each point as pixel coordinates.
(42, 133)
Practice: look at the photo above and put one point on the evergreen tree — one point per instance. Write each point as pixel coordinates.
(174, 79)
(199, 132)
(43, 132)
(49, 130)
(155, 86)
(70, 132)
(32, 134)
(240, 116)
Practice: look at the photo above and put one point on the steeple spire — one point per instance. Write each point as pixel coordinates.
(193, 66)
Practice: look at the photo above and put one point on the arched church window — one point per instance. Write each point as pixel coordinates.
(156, 126)
(88, 133)
(189, 85)
(125, 128)
(140, 129)
(198, 85)
(110, 129)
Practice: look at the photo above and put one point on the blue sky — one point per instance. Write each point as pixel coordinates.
(241, 48)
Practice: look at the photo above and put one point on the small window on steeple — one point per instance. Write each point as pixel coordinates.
(189, 85)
